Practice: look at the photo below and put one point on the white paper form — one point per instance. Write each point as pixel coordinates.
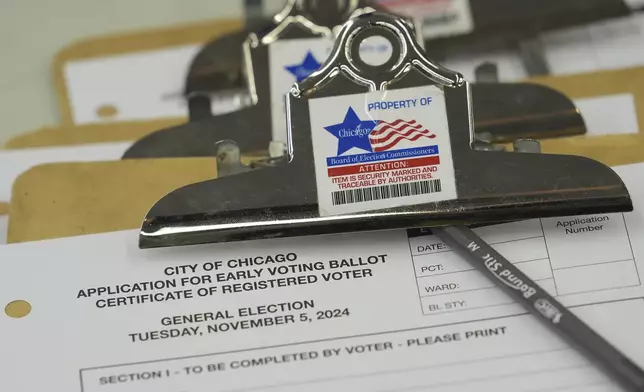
(148, 85)
(612, 44)
(137, 86)
(15, 162)
(358, 312)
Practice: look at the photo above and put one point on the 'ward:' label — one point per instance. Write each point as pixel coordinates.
(381, 150)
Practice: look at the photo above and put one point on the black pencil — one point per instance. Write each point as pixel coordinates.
(525, 291)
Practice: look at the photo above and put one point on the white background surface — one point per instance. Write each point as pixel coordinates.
(15, 162)
(32, 32)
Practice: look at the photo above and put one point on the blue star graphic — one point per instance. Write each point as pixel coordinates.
(305, 68)
(352, 132)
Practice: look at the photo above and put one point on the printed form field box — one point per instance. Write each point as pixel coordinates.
(510, 231)
(507, 232)
(585, 240)
(428, 244)
(446, 262)
(452, 283)
(474, 280)
(440, 263)
(596, 277)
(492, 296)
(523, 250)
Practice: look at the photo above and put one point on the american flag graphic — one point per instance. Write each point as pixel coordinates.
(386, 135)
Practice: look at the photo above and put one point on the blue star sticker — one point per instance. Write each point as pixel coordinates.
(303, 70)
(352, 132)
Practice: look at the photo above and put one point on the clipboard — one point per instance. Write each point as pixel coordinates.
(193, 34)
(98, 208)
(96, 197)
(14, 162)
(630, 81)
(79, 200)
(613, 150)
(601, 83)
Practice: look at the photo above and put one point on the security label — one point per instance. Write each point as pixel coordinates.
(293, 60)
(381, 150)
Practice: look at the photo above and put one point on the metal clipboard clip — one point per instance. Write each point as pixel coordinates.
(220, 68)
(504, 112)
(515, 27)
(299, 20)
(283, 201)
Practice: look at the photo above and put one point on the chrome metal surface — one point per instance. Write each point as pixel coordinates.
(498, 24)
(281, 201)
(487, 72)
(248, 127)
(527, 146)
(229, 159)
(534, 57)
(504, 111)
(224, 64)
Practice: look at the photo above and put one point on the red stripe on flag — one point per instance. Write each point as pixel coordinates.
(384, 126)
(401, 138)
(384, 139)
(383, 166)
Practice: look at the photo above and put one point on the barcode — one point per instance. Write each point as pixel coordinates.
(386, 192)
